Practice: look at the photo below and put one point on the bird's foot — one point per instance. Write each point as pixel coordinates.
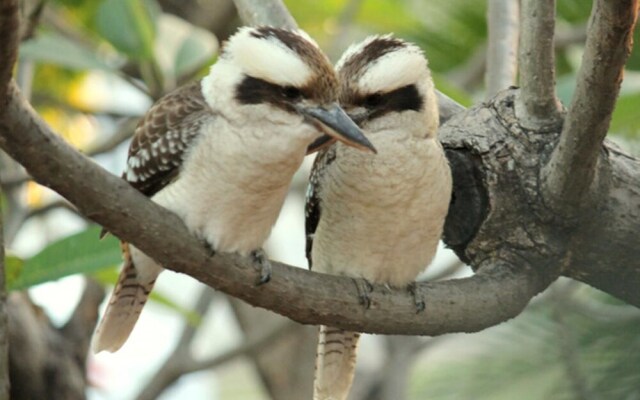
(209, 248)
(418, 296)
(364, 288)
(263, 265)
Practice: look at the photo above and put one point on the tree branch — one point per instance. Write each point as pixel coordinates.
(180, 362)
(502, 62)
(177, 362)
(537, 105)
(495, 294)
(10, 34)
(571, 171)
(4, 328)
(80, 326)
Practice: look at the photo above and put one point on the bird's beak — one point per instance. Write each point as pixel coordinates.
(339, 125)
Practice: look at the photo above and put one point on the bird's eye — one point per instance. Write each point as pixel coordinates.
(291, 92)
(373, 100)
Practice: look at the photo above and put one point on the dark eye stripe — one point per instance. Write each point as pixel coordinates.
(401, 99)
(257, 91)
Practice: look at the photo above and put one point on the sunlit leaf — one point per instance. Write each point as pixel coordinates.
(83, 252)
(52, 48)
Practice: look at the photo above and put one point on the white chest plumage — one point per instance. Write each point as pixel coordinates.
(230, 191)
(384, 228)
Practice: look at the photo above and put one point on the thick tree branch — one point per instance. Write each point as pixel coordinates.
(498, 206)
(571, 171)
(10, 34)
(495, 294)
(537, 105)
(502, 62)
(4, 328)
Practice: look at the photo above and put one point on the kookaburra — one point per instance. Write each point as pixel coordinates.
(221, 153)
(377, 217)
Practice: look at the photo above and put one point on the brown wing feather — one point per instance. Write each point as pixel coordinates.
(163, 136)
(312, 205)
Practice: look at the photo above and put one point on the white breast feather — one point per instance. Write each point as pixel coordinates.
(384, 227)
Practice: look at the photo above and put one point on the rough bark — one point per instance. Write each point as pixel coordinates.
(571, 174)
(4, 327)
(514, 223)
(502, 63)
(537, 106)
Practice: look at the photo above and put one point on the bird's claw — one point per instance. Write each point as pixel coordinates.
(209, 248)
(263, 265)
(418, 296)
(363, 288)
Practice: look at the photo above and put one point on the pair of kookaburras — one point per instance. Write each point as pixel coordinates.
(221, 153)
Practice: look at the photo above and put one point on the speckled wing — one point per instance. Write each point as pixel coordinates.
(163, 137)
(313, 209)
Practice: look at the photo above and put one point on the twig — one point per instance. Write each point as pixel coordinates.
(502, 62)
(33, 19)
(571, 170)
(265, 12)
(180, 358)
(250, 346)
(79, 328)
(181, 362)
(445, 273)
(447, 107)
(124, 133)
(537, 106)
(349, 12)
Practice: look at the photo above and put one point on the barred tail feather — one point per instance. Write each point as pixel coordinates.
(127, 300)
(335, 363)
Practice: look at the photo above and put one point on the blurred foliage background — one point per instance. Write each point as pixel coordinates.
(91, 68)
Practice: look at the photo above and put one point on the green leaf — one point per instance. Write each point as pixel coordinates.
(13, 268)
(83, 252)
(55, 49)
(625, 119)
(129, 25)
